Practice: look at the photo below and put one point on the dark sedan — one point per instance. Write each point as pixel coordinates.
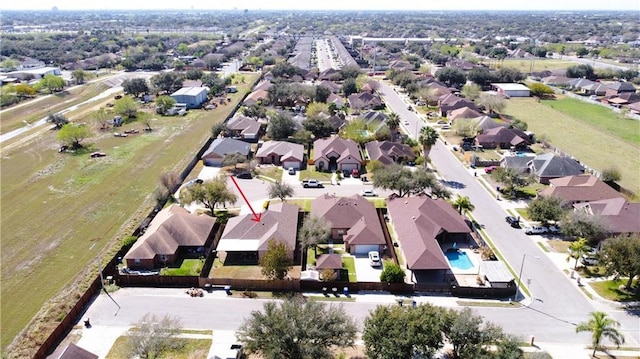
(513, 221)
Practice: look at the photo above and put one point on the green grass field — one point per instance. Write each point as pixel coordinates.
(524, 65)
(609, 289)
(192, 349)
(59, 211)
(594, 135)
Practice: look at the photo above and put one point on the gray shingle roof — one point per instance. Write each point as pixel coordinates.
(224, 146)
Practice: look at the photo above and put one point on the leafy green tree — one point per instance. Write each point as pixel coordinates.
(509, 74)
(52, 83)
(210, 193)
(357, 130)
(406, 182)
(314, 109)
(79, 75)
(318, 126)
(611, 174)
(297, 330)
(471, 91)
(102, 119)
(581, 71)
(463, 203)
(234, 159)
(546, 209)
(582, 224)
(126, 107)
(322, 94)
(582, 51)
(510, 178)
(519, 124)
(72, 134)
(136, 86)
(404, 332)
(57, 119)
(164, 103)
(540, 90)
(349, 87)
(314, 230)
(428, 138)
(219, 128)
(577, 249)
(194, 74)
(279, 189)
(601, 326)
(275, 262)
(393, 121)
(440, 191)
(621, 256)
(151, 336)
(392, 273)
(166, 82)
(466, 127)
(281, 126)
(255, 111)
(469, 337)
(24, 90)
(492, 103)
(481, 76)
(452, 76)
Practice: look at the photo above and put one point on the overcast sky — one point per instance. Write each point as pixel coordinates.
(326, 4)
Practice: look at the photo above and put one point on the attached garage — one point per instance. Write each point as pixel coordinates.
(294, 164)
(366, 248)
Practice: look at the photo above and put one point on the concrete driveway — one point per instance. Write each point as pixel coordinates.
(365, 272)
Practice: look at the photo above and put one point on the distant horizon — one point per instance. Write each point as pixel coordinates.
(328, 5)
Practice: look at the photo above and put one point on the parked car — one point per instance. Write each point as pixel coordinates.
(374, 259)
(513, 221)
(369, 193)
(194, 181)
(589, 260)
(490, 169)
(244, 175)
(445, 127)
(555, 229)
(97, 154)
(355, 173)
(292, 171)
(536, 230)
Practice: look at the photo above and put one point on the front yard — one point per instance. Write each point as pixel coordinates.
(613, 290)
(311, 173)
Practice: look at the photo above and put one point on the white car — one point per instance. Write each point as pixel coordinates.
(554, 229)
(374, 259)
(535, 230)
(368, 193)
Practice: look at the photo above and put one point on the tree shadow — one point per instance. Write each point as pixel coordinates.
(453, 184)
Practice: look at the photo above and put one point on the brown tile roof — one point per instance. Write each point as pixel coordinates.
(417, 222)
(329, 261)
(279, 222)
(499, 135)
(355, 213)
(244, 125)
(388, 152)
(580, 188)
(72, 351)
(172, 227)
(621, 215)
(343, 147)
(463, 112)
(286, 150)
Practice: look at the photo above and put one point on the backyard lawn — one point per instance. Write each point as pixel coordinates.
(597, 138)
(349, 264)
(188, 267)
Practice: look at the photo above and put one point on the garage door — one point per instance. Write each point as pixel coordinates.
(294, 164)
(364, 249)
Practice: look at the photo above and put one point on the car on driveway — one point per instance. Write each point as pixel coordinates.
(374, 259)
(244, 175)
(555, 229)
(535, 230)
(368, 193)
(490, 169)
(292, 171)
(513, 221)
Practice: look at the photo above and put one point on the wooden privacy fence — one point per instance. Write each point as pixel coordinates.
(355, 287)
(482, 292)
(253, 284)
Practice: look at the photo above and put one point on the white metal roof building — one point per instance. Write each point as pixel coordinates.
(512, 89)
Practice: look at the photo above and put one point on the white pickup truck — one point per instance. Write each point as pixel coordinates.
(236, 351)
(312, 183)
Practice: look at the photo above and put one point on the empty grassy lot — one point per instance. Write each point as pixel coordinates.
(524, 65)
(594, 135)
(60, 210)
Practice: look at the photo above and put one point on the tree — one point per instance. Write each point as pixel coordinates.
(545, 209)
(79, 75)
(219, 128)
(393, 121)
(466, 127)
(275, 262)
(164, 103)
(255, 111)
(509, 74)
(136, 86)
(279, 189)
(471, 91)
(481, 75)
(52, 83)
(403, 180)
(581, 71)
(582, 51)
(452, 76)
(166, 82)
(492, 103)
(428, 138)
(126, 107)
(151, 336)
(296, 330)
(610, 174)
(170, 181)
(322, 94)
(318, 126)
(314, 109)
(470, 339)
(600, 325)
(24, 90)
(314, 230)
(582, 224)
(102, 119)
(281, 126)
(233, 159)
(540, 90)
(72, 134)
(210, 193)
(57, 119)
(392, 273)
(463, 203)
(621, 256)
(403, 331)
(577, 249)
(349, 87)
(440, 191)
(194, 74)
(519, 124)
(511, 178)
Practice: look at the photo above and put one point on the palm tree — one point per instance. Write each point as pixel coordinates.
(463, 204)
(393, 121)
(601, 326)
(428, 138)
(577, 249)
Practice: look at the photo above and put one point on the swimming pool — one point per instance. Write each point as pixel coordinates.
(459, 260)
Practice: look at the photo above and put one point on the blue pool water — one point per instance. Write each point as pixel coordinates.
(459, 260)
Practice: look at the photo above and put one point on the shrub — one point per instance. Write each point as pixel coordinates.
(392, 273)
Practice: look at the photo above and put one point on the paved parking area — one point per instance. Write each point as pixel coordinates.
(365, 272)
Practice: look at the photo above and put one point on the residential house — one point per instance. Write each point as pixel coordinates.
(503, 137)
(221, 147)
(463, 112)
(335, 98)
(244, 128)
(423, 226)
(262, 85)
(596, 88)
(450, 102)
(556, 80)
(634, 108)
(401, 65)
(389, 152)
(518, 163)
(511, 89)
(549, 166)
(174, 233)
(330, 74)
(332, 86)
(336, 153)
(578, 189)
(364, 101)
(578, 85)
(353, 219)
(461, 64)
(617, 88)
(246, 240)
(72, 351)
(329, 261)
(281, 153)
(486, 123)
(193, 97)
(255, 97)
(620, 215)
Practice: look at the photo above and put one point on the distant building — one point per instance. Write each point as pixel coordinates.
(36, 74)
(193, 97)
(511, 89)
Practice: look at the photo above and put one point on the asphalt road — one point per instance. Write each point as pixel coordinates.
(559, 304)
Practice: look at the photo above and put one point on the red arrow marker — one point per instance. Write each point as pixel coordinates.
(256, 216)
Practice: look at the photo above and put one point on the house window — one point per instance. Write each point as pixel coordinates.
(340, 232)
